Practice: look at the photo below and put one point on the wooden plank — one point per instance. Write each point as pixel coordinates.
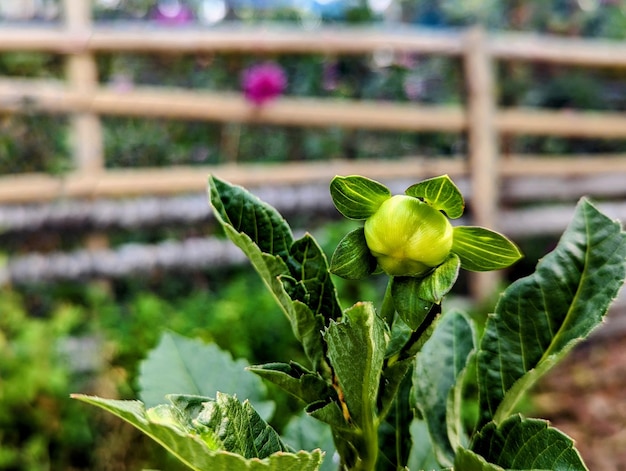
(230, 107)
(566, 123)
(234, 38)
(558, 50)
(176, 180)
(82, 75)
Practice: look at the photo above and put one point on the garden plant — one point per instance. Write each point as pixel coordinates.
(392, 380)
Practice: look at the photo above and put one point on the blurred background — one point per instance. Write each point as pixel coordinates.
(113, 113)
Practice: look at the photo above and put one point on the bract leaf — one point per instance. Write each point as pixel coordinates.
(352, 258)
(189, 366)
(437, 369)
(440, 281)
(357, 197)
(481, 249)
(539, 318)
(527, 444)
(356, 350)
(199, 446)
(441, 193)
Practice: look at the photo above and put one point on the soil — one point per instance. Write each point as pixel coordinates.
(585, 397)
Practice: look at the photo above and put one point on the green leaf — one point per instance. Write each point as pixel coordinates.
(247, 214)
(307, 264)
(437, 369)
(422, 456)
(483, 250)
(284, 266)
(394, 436)
(352, 258)
(303, 432)
(441, 193)
(527, 444)
(188, 366)
(200, 447)
(467, 460)
(356, 350)
(357, 197)
(408, 302)
(541, 317)
(296, 380)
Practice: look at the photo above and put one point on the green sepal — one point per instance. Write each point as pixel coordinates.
(352, 258)
(441, 193)
(527, 444)
(357, 197)
(481, 249)
(410, 306)
(296, 380)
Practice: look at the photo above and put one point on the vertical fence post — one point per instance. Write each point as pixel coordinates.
(82, 76)
(482, 147)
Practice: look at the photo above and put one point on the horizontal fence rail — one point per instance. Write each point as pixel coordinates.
(491, 179)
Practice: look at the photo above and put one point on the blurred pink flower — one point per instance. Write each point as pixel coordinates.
(172, 12)
(263, 82)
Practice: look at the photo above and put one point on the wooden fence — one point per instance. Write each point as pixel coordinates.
(86, 100)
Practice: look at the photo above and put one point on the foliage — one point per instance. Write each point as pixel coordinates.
(390, 382)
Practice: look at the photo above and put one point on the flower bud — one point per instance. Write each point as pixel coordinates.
(407, 236)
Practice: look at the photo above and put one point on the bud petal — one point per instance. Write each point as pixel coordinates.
(407, 236)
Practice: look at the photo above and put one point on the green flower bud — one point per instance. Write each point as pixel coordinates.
(407, 236)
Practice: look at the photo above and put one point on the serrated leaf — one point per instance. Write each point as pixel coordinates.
(437, 369)
(296, 380)
(188, 366)
(467, 460)
(238, 427)
(175, 434)
(356, 350)
(247, 214)
(357, 197)
(307, 264)
(266, 239)
(541, 317)
(527, 444)
(352, 258)
(441, 193)
(481, 249)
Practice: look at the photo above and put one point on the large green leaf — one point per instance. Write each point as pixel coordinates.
(356, 350)
(357, 197)
(437, 369)
(187, 366)
(483, 250)
(527, 444)
(422, 457)
(209, 443)
(539, 318)
(303, 432)
(441, 193)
